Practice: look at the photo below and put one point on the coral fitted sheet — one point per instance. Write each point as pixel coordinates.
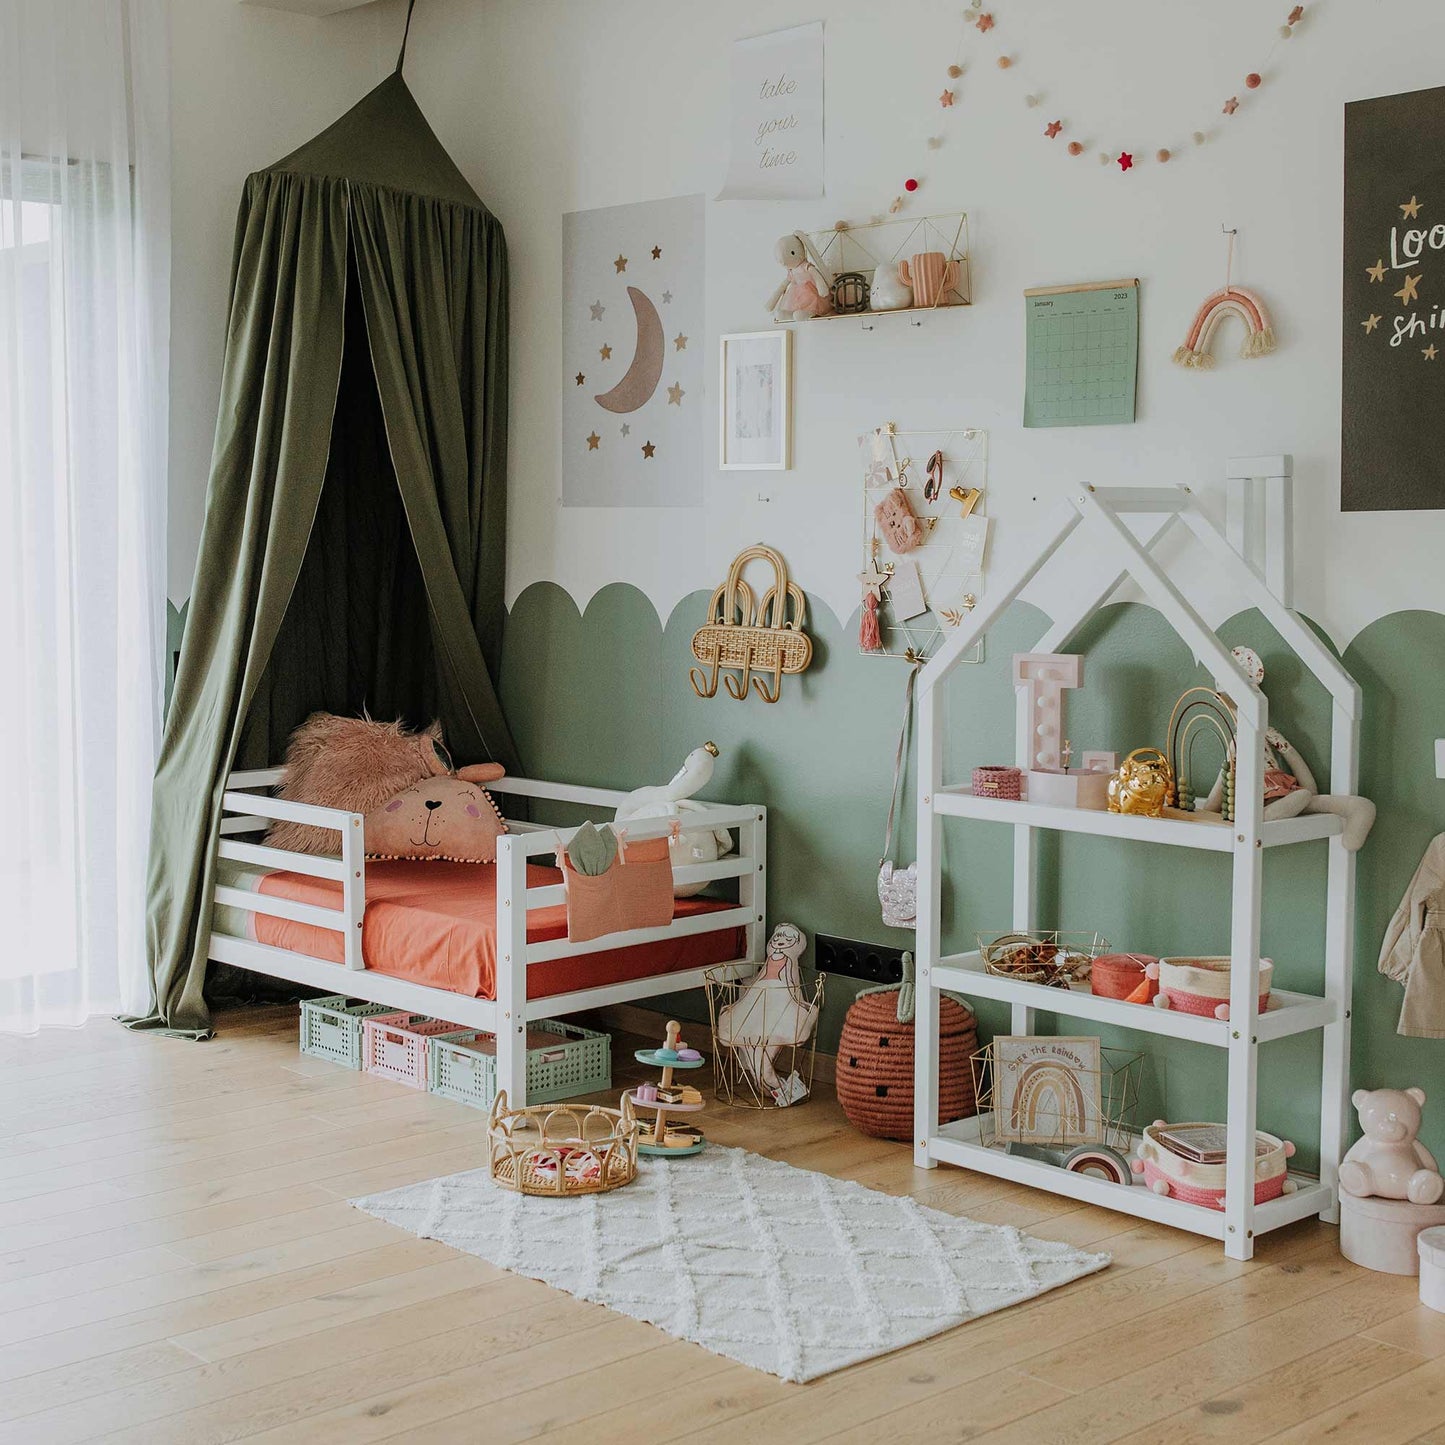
(436, 923)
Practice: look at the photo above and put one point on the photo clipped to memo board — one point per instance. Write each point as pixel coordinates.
(925, 536)
(1083, 353)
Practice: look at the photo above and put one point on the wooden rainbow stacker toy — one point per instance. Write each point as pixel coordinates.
(660, 1133)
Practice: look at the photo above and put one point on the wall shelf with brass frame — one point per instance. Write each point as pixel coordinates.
(863, 249)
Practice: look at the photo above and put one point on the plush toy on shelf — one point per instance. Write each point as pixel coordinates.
(804, 292)
(674, 800)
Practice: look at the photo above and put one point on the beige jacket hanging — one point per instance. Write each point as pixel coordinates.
(1414, 949)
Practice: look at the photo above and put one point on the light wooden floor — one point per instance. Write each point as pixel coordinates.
(178, 1263)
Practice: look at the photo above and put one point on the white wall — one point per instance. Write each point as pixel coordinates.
(557, 105)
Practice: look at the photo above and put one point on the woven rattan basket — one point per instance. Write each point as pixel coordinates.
(560, 1150)
(875, 1065)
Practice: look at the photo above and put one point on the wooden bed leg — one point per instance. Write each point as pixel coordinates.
(512, 971)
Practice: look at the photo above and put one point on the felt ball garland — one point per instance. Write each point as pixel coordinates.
(976, 18)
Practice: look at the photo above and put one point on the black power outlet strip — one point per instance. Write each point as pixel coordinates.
(872, 962)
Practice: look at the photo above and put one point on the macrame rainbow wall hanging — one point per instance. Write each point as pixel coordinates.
(1224, 303)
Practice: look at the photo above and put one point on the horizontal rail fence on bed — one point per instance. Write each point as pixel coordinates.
(247, 808)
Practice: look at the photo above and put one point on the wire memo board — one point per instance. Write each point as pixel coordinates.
(944, 476)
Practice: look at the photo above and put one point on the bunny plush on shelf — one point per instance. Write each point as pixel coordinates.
(805, 291)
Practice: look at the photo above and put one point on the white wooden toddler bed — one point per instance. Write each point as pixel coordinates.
(486, 930)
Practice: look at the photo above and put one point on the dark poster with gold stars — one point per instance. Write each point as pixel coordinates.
(1393, 385)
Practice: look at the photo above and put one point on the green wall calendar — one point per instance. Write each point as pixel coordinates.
(1082, 354)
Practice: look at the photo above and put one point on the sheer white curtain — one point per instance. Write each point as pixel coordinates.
(84, 328)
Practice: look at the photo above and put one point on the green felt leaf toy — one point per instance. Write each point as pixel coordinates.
(592, 850)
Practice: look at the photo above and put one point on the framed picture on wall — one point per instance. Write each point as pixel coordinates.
(756, 404)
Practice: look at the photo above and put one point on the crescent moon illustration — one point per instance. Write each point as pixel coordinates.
(636, 387)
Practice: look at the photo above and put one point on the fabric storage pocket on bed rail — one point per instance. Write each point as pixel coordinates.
(393, 1045)
(331, 1027)
(563, 1061)
(635, 892)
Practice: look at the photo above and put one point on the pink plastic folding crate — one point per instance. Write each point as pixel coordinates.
(394, 1045)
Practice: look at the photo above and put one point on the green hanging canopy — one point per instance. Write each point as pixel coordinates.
(354, 543)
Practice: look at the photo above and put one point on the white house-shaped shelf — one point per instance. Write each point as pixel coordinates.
(1087, 535)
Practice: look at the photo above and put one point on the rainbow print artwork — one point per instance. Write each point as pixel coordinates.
(1224, 303)
(1047, 1090)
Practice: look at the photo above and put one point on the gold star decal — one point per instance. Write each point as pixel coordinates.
(620, 264)
(1429, 352)
(647, 449)
(1407, 293)
(592, 441)
(581, 380)
(1376, 272)
(657, 253)
(946, 99)
(1410, 209)
(675, 394)
(605, 352)
(680, 341)
(1372, 322)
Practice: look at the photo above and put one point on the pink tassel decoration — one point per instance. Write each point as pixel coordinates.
(869, 638)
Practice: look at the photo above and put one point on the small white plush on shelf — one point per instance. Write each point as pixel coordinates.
(806, 290)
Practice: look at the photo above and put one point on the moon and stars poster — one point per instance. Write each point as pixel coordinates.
(632, 355)
(1392, 452)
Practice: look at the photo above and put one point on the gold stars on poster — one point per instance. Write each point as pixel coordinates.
(1370, 322)
(1376, 272)
(1408, 292)
(675, 394)
(605, 352)
(680, 342)
(1429, 352)
(620, 264)
(581, 379)
(657, 253)
(592, 442)
(1410, 209)
(648, 449)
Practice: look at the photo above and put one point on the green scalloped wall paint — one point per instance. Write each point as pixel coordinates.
(603, 698)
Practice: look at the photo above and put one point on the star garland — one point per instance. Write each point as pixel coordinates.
(985, 22)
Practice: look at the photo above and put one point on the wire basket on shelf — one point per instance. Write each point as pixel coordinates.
(1036, 1092)
(758, 1062)
(1050, 956)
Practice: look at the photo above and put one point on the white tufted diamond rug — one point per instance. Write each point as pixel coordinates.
(782, 1269)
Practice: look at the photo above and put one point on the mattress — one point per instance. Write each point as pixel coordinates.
(435, 923)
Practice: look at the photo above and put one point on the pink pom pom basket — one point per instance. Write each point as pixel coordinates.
(1193, 1182)
(1201, 985)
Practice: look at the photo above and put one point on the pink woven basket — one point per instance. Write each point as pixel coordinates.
(998, 782)
(1201, 985)
(394, 1045)
(1194, 1182)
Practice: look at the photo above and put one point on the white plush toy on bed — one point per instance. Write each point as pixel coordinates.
(674, 800)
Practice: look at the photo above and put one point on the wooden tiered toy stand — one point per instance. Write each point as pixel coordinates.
(655, 1136)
